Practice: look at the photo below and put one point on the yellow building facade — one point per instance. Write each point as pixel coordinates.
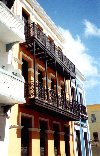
(94, 122)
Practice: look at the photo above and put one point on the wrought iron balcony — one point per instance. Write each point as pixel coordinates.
(50, 100)
(11, 88)
(83, 112)
(33, 33)
(11, 27)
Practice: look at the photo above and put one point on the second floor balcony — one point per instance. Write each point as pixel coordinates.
(39, 97)
(45, 48)
(11, 27)
(11, 88)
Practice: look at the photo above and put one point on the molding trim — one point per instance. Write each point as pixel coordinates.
(17, 60)
(52, 75)
(34, 129)
(49, 131)
(16, 126)
(77, 123)
(61, 133)
(31, 69)
(44, 78)
(39, 66)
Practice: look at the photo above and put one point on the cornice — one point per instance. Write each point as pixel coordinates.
(40, 11)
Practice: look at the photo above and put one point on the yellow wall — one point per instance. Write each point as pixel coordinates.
(95, 126)
(14, 133)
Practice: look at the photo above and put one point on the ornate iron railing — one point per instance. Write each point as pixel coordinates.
(54, 99)
(32, 31)
(83, 111)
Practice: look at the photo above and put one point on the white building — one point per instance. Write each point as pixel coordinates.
(81, 132)
(11, 82)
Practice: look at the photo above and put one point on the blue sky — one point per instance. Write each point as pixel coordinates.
(79, 22)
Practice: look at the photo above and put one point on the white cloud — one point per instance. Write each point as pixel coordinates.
(76, 51)
(91, 29)
(92, 82)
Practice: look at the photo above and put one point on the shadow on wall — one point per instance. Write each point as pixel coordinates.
(2, 127)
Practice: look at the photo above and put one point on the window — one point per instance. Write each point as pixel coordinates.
(95, 136)
(56, 139)
(25, 16)
(73, 93)
(62, 90)
(78, 142)
(80, 98)
(52, 83)
(93, 118)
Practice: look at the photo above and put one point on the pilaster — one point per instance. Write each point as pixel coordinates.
(35, 141)
(50, 138)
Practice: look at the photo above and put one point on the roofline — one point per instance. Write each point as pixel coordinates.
(91, 105)
(80, 75)
(40, 11)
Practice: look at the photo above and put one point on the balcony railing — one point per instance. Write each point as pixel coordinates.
(12, 25)
(54, 100)
(11, 88)
(83, 112)
(33, 32)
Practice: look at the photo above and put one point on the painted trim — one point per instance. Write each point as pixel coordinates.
(26, 115)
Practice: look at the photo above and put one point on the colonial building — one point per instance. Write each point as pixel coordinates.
(37, 99)
(11, 81)
(94, 123)
(81, 133)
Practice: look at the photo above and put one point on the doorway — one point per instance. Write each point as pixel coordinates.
(67, 140)
(86, 143)
(25, 136)
(78, 142)
(43, 139)
(56, 139)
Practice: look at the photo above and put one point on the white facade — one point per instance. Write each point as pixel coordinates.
(81, 126)
(11, 27)
(11, 82)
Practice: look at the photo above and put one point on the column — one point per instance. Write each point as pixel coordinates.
(62, 144)
(34, 71)
(50, 138)
(71, 124)
(65, 102)
(56, 83)
(46, 76)
(35, 141)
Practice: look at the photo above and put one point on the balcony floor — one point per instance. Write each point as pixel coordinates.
(45, 107)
